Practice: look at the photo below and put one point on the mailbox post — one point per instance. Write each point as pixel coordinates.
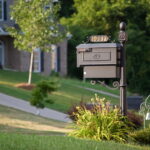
(123, 39)
(101, 59)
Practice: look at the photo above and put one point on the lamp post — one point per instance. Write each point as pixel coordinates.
(123, 39)
(145, 110)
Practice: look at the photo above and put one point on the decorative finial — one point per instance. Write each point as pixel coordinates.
(122, 34)
(122, 26)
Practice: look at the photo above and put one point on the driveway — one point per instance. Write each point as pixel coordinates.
(16, 103)
(100, 92)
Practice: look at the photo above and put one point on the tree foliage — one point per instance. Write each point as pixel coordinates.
(67, 8)
(138, 60)
(36, 24)
(103, 17)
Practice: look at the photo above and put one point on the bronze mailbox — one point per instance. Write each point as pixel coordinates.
(99, 60)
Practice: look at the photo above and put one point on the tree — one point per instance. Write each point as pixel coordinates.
(103, 17)
(138, 60)
(37, 26)
(40, 94)
(66, 8)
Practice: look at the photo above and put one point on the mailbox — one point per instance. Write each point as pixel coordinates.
(99, 60)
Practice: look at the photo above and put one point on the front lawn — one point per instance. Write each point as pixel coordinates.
(68, 94)
(34, 142)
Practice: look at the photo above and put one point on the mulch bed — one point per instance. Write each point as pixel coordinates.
(25, 86)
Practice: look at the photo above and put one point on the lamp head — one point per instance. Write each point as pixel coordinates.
(122, 26)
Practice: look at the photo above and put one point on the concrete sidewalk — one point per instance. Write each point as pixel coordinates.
(25, 106)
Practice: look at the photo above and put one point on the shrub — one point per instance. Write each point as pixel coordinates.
(73, 110)
(136, 119)
(41, 91)
(102, 123)
(141, 136)
(54, 74)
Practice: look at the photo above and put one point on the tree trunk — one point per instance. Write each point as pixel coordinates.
(30, 68)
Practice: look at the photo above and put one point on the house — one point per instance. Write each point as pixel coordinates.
(14, 59)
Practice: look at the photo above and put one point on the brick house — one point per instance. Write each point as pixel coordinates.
(11, 58)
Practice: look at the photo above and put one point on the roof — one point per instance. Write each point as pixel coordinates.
(3, 32)
(97, 45)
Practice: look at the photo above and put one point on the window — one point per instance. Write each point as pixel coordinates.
(55, 58)
(1, 10)
(54, 1)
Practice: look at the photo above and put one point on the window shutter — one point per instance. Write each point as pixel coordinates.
(5, 10)
(42, 61)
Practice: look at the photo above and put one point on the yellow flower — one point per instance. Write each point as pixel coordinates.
(77, 107)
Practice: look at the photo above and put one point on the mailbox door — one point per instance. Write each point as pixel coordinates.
(101, 72)
(97, 54)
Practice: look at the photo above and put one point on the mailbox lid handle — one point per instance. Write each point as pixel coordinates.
(88, 50)
(84, 50)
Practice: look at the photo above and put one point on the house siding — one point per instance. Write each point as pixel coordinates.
(63, 57)
(20, 60)
(47, 63)
(12, 55)
(24, 61)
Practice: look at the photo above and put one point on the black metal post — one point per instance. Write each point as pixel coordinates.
(123, 39)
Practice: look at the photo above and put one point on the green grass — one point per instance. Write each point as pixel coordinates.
(34, 142)
(89, 85)
(10, 130)
(68, 94)
(16, 92)
(17, 77)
